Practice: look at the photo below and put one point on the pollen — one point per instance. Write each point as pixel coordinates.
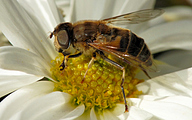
(101, 87)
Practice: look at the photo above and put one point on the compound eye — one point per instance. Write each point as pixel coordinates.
(63, 39)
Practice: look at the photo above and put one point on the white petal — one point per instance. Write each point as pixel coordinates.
(177, 13)
(163, 109)
(53, 106)
(171, 96)
(138, 114)
(11, 82)
(112, 114)
(186, 101)
(24, 30)
(116, 113)
(109, 8)
(107, 114)
(13, 58)
(119, 111)
(45, 12)
(18, 100)
(186, 76)
(93, 115)
(173, 35)
(4, 72)
(95, 10)
(91, 9)
(166, 85)
(75, 113)
(132, 5)
(64, 5)
(87, 115)
(173, 13)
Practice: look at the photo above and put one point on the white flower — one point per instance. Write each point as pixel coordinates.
(27, 25)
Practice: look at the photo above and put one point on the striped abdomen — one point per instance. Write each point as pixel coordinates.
(128, 43)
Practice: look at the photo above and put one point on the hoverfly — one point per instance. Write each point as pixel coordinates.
(100, 36)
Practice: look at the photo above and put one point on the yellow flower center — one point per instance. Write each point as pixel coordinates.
(101, 87)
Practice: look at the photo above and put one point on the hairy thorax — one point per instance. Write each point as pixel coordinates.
(85, 32)
(84, 48)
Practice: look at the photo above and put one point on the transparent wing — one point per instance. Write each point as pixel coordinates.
(135, 17)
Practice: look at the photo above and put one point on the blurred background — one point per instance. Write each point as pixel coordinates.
(168, 3)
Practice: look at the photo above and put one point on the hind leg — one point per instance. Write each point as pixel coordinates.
(122, 78)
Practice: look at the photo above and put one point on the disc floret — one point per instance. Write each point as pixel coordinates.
(101, 87)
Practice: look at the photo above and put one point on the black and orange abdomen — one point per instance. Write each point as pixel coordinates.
(138, 48)
(128, 43)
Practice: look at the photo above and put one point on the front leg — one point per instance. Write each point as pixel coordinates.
(66, 56)
(64, 63)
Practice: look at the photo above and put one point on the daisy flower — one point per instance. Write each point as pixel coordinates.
(29, 70)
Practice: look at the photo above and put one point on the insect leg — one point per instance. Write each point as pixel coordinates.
(76, 55)
(122, 79)
(63, 64)
(66, 56)
(89, 66)
(120, 57)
